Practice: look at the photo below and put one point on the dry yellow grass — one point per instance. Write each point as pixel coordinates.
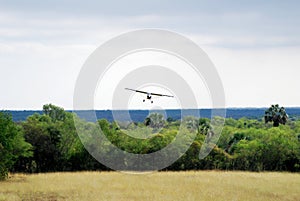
(201, 185)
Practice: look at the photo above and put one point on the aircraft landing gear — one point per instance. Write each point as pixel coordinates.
(144, 100)
(151, 101)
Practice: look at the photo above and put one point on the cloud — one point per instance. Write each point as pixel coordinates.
(232, 25)
(43, 45)
(258, 77)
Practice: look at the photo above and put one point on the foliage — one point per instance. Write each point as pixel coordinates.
(12, 144)
(245, 144)
(204, 126)
(276, 114)
(155, 121)
(54, 112)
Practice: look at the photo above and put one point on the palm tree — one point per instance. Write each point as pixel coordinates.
(276, 114)
(191, 123)
(155, 120)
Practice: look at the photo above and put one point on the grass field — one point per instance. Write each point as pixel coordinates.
(201, 185)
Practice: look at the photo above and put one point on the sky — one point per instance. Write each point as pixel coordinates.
(254, 45)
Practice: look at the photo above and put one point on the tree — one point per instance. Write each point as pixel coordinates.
(54, 112)
(276, 114)
(234, 141)
(12, 144)
(54, 139)
(191, 123)
(155, 121)
(204, 126)
(52, 135)
(45, 137)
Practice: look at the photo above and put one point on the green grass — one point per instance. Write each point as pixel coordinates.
(201, 185)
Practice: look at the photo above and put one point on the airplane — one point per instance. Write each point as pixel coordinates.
(149, 95)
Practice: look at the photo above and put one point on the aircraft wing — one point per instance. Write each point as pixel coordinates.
(155, 94)
(144, 92)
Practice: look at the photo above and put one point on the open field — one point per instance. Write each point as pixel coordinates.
(201, 185)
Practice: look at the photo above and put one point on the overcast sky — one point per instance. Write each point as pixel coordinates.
(255, 45)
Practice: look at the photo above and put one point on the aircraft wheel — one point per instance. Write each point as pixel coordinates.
(143, 100)
(151, 101)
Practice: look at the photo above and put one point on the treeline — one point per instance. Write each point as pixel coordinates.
(49, 142)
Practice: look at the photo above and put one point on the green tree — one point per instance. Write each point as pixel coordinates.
(52, 135)
(54, 112)
(276, 114)
(12, 144)
(191, 123)
(155, 121)
(45, 137)
(234, 140)
(204, 126)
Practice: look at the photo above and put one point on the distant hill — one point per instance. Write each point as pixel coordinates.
(140, 115)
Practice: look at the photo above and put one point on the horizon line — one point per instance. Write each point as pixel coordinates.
(70, 110)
